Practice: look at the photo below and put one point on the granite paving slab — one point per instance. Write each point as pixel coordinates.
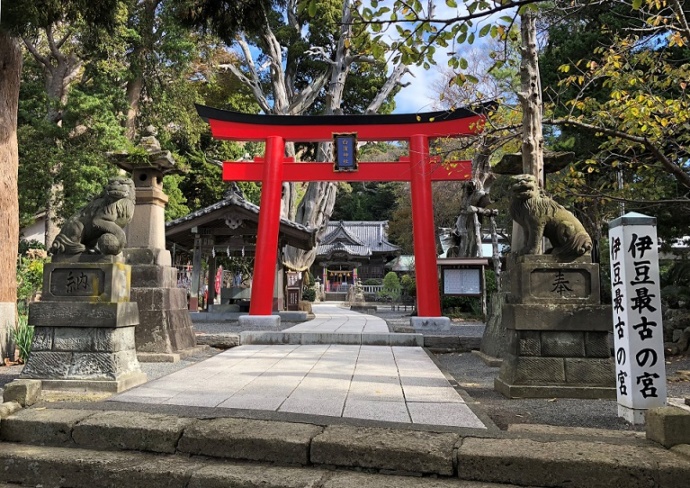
(383, 383)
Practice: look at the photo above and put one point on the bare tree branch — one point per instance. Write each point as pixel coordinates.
(307, 96)
(390, 84)
(252, 84)
(34, 52)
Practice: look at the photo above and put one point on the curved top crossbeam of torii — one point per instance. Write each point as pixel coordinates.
(237, 126)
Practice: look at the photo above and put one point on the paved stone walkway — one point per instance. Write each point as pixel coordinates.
(384, 383)
(331, 319)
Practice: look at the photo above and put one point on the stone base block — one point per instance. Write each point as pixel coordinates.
(260, 321)
(669, 426)
(526, 370)
(88, 282)
(98, 366)
(635, 416)
(219, 341)
(9, 408)
(152, 276)
(491, 361)
(164, 331)
(152, 357)
(553, 391)
(83, 314)
(541, 279)
(566, 317)
(24, 392)
(293, 315)
(430, 323)
(117, 385)
(147, 256)
(364, 308)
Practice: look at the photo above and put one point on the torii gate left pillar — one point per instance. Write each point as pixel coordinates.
(274, 169)
(269, 226)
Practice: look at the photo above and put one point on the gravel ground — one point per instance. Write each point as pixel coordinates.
(477, 380)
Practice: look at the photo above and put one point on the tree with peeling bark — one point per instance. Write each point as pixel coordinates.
(19, 18)
(308, 51)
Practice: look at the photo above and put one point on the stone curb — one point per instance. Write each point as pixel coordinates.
(256, 440)
(366, 447)
(80, 468)
(562, 463)
(547, 461)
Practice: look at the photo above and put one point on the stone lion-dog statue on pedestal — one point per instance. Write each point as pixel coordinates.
(540, 216)
(97, 228)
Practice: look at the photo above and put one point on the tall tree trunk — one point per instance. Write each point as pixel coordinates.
(474, 199)
(317, 205)
(531, 101)
(10, 72)
(135, 86)
(530, 98)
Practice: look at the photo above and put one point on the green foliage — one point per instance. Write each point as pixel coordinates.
(408, 286)
(30, 273)
(24, 16)
(308, 280)
(175, 207)
(309, 294)
(675, 284)
(25, 246)
(461, 307)
(22, 335)
(391, 287)
(308, 288)
(365, 201)
(373, 281)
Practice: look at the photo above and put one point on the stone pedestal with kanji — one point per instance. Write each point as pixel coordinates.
(84, 328)
(165, 332)
(558, 333)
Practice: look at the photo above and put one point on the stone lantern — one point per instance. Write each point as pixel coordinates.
(165, 331)
(147, 228)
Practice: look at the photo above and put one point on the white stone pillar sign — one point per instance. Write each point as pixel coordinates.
(637, 327)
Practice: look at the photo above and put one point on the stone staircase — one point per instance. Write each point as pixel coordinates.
(96, 446)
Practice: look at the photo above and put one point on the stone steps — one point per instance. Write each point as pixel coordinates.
(76, 447)
(354, 338)
(50, 467)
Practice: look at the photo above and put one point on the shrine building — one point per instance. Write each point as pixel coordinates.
(349, 251)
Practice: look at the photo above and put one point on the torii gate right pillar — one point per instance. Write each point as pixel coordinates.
(423, 232)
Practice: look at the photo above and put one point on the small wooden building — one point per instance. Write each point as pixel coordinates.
(229, 227)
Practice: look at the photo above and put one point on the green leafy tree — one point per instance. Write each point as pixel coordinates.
(307, 52)
(391, 287)
(19, 18)
(627, 97)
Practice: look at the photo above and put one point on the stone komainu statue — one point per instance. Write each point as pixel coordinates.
(540, 216)
(97, 228)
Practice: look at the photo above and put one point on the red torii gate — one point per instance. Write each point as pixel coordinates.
(420, 169)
